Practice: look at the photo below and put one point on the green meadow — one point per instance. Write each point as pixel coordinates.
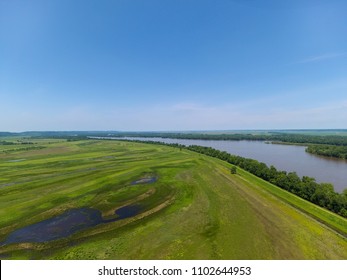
(194, 209)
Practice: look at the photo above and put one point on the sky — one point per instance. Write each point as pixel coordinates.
(173, 65)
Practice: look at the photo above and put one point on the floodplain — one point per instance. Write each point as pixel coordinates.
(126, 200)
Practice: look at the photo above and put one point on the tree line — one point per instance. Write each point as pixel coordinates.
(321, 194)
(337, 140)
(328, 145)
(328, 151)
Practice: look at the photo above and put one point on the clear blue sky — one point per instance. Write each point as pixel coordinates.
(172, 64)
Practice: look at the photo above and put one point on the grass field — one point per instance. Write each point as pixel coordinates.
(195, 209)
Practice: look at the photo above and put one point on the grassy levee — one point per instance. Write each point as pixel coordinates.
(328, 218)
(195, 209)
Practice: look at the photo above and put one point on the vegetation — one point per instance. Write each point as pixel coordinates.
(196, 209)
(233, 170)
(331, 143)
(317, 142)
(328, 151)
(307, 188)
(7, 143)
(338, 140)
(327, 137)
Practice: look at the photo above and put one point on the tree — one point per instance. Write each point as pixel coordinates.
(233, 170)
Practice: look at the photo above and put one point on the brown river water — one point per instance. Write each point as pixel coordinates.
(284, 157)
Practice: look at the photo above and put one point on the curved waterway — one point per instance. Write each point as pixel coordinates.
(284, 157)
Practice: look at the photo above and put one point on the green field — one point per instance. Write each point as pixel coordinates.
(196, 209)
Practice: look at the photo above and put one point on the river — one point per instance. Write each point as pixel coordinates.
(284, 157)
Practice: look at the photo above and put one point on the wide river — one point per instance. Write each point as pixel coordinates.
(283, 157)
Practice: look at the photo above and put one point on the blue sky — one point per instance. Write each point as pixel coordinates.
(172, 64)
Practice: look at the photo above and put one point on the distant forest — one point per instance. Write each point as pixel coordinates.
(318, 142)
(277, 137)
(328, 150)
(327, 145)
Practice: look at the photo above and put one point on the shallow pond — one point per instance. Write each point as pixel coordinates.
(60, 226)
(127, 211)
(147, 180)
(66, 224)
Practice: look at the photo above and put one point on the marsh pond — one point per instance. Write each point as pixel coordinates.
(72, 221)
